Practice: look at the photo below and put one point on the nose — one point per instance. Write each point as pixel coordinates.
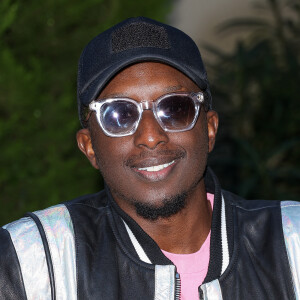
(149, 134)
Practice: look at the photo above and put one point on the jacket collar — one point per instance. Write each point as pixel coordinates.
(152, 250)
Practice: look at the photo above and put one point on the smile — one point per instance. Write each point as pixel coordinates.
(156, 168)
(157, 172)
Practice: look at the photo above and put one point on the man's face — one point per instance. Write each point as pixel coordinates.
(126, 162)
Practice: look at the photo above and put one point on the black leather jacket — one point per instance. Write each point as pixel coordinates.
(88, 253)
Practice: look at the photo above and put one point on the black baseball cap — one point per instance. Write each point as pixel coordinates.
(131, 41)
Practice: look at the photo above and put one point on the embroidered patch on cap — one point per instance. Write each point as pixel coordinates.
(137, 35)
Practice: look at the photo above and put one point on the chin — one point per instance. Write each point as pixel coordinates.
(165, 209)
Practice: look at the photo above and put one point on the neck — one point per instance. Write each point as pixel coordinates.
(184, 232)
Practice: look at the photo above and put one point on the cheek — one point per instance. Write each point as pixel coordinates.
(200, 146)
(195, 141)
(111, 154)
(196, 146)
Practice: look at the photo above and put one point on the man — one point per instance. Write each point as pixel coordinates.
(162, 228)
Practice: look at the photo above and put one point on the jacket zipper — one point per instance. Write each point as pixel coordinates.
(177, 286)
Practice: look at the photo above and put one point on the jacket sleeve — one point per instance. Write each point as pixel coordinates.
(24, 272)
(11, 281)
(290, 211)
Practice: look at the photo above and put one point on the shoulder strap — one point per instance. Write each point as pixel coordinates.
(47, 252)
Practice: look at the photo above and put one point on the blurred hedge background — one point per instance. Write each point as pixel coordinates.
(257, 92)
(255, 89)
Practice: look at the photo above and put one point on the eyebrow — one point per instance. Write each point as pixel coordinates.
(166, 90)
(174, 88)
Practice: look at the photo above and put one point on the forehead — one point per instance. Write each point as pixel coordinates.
(150, 77)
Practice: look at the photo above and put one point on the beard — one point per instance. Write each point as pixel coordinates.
(170, 206)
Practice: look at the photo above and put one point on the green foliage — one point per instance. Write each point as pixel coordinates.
(40, 43)
(256, 90)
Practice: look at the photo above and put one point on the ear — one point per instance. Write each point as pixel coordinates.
(212, 125)
(84, 142)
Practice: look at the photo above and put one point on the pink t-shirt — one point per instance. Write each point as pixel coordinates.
(192, 267)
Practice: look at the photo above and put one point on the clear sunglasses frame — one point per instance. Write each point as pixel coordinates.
(197, 98)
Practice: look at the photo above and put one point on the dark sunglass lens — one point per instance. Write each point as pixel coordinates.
(176, 112)
(119, 117)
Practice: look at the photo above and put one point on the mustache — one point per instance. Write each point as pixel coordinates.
(174, 154)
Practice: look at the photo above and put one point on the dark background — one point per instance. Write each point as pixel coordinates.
(255, 90)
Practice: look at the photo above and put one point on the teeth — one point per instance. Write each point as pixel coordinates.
(156, 168)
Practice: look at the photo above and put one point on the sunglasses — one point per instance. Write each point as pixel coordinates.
(174, 112)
